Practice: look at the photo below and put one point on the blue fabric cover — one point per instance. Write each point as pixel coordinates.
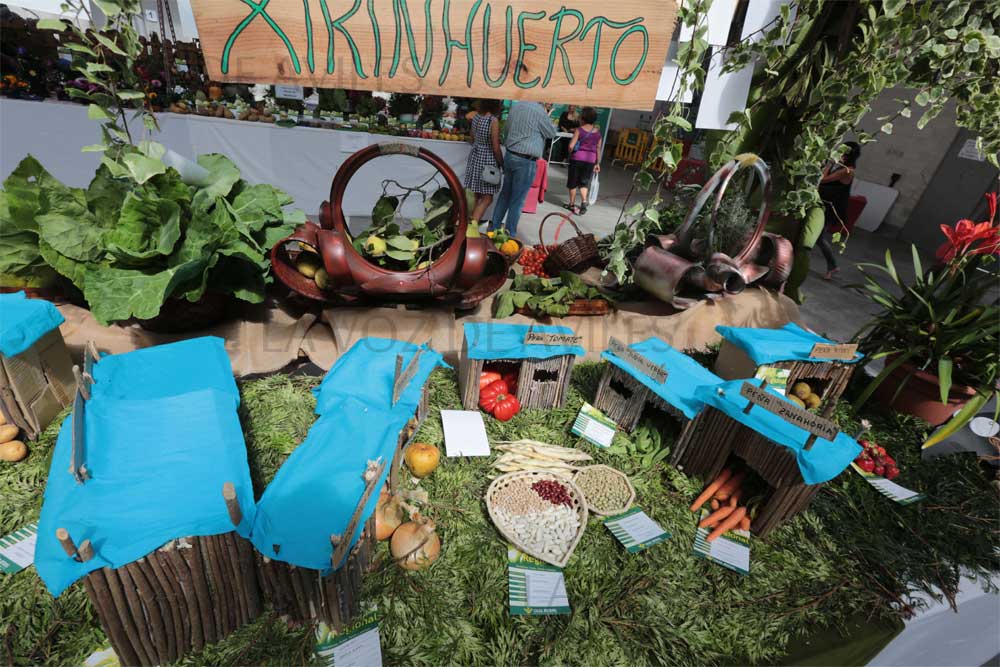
(822, 463)
(767, 346)
(23, 321)
(157, 461)
(317, 489)
(492, 340)
(684, 374)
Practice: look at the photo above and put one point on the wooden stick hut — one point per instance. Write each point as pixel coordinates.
(649, 375)
(540, 358)
(716, 437)
(808, 359)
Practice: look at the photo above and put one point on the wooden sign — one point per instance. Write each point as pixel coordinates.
(845, 351)
(590, 52)
(538, 338)
(813, 424)
(637, 360)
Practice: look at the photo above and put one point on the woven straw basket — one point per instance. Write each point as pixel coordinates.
(572, 254)
(619, 510)
(500, 484)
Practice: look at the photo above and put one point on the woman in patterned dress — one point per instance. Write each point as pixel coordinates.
(485, 152)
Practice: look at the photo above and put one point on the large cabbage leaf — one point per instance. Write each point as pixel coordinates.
(148, 228)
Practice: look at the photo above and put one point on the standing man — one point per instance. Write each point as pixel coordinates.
(528, 128)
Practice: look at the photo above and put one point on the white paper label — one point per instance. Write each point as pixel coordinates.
(289, 92)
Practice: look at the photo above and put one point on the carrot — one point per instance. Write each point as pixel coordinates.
(714, 504)
(731, 485)
(710, 489)
(728, 523)
(735, 498)
(745, 523)
(715, 517)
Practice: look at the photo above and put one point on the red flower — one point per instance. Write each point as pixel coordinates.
(972, 238)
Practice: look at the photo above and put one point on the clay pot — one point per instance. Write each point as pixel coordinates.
(921, 397)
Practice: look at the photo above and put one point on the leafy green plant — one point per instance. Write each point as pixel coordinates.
(106, 54)
(545, 296)
(945, 322)
(733, 224)
(403, 103)
(138, 235)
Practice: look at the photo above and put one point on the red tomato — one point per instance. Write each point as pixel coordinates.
(486, 378)
(506, 407)
(511, 380)
(488, 395)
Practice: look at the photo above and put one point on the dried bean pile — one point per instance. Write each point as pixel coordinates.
(604, 488)
(539, 515)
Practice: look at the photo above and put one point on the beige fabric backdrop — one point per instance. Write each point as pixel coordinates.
(271, 336)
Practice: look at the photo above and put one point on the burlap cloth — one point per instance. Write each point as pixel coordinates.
(271, 336)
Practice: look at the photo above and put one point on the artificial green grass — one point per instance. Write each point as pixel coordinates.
(854, 554)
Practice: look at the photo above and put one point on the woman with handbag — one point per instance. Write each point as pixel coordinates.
(584, 157)
(485, 166)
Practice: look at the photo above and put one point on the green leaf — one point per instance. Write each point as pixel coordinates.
(520, 298)
(109, 7)
(21, 199)
(79, 48)
(400, 255)
(94, 112)
(117, 294)
(223, 175)
(993, 42)
(149, 227)
(887, 128)
(77, 94)
(972, 46)
(680, 122)
(923, 98)
(951, 33)
(944, 377)
(107, 43)
(143, 168)
(131, 94)
(71, 269)
(917, 266)
(401, 243)
(105, 196)
(51, 24)
(893, 7)
(99, 67)
(257, 206)
(94, 148)
(652, 214)
(72, 231)
(505, 305)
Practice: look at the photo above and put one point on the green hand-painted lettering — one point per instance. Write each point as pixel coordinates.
(403, 18)
(338, 25)
(642, 61)
(309, 38)
(523, 47)
(599, 22)
(378, 38)
(450, 43)
(558, 43)
(257, 9)
(496, 83)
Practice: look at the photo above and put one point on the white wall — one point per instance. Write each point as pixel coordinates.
(912, 153)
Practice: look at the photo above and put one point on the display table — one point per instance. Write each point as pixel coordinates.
(300, 160)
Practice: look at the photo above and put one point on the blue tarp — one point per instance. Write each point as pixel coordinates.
(823, 462)
(491, 340)
(317, 489)
(23, 321)
(162, 436)
(767, 346)
(684, 374)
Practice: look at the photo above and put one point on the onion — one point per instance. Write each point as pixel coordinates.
(388, 515)
(415, 544)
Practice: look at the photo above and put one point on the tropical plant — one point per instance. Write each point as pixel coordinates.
(945, 322)
(138, 235)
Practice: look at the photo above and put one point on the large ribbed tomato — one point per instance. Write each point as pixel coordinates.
(486, 378)
(507, 406)
(488, 394)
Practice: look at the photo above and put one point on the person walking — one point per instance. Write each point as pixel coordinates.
(483, 171)
(584, 156)
(835, 191)
(528, 128)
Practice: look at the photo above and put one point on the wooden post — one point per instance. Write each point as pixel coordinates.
(371, 476)
(763, 387)
(232, 503)
(66, 542)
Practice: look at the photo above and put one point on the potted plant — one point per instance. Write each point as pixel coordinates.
(939, 333)
(404, 107)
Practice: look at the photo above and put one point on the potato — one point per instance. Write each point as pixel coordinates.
(8, 432)
(322, 279)
(3, 419)
(802, 390)
(12, 451)
(813, 401)
(796, 400)
(308, 264)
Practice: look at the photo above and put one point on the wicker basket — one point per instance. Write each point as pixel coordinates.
(618, 510)
(576, 253)
(579, 506)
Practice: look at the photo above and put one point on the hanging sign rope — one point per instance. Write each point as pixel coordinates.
(589, 52)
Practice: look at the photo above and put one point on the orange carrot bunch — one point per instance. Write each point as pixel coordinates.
(723, 496)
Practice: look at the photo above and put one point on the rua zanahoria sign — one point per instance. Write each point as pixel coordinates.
(593, 52)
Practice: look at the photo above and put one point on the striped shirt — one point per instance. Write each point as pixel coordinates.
(528, 126)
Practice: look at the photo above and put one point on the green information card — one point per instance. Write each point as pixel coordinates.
(635, 530)
(534, 588)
